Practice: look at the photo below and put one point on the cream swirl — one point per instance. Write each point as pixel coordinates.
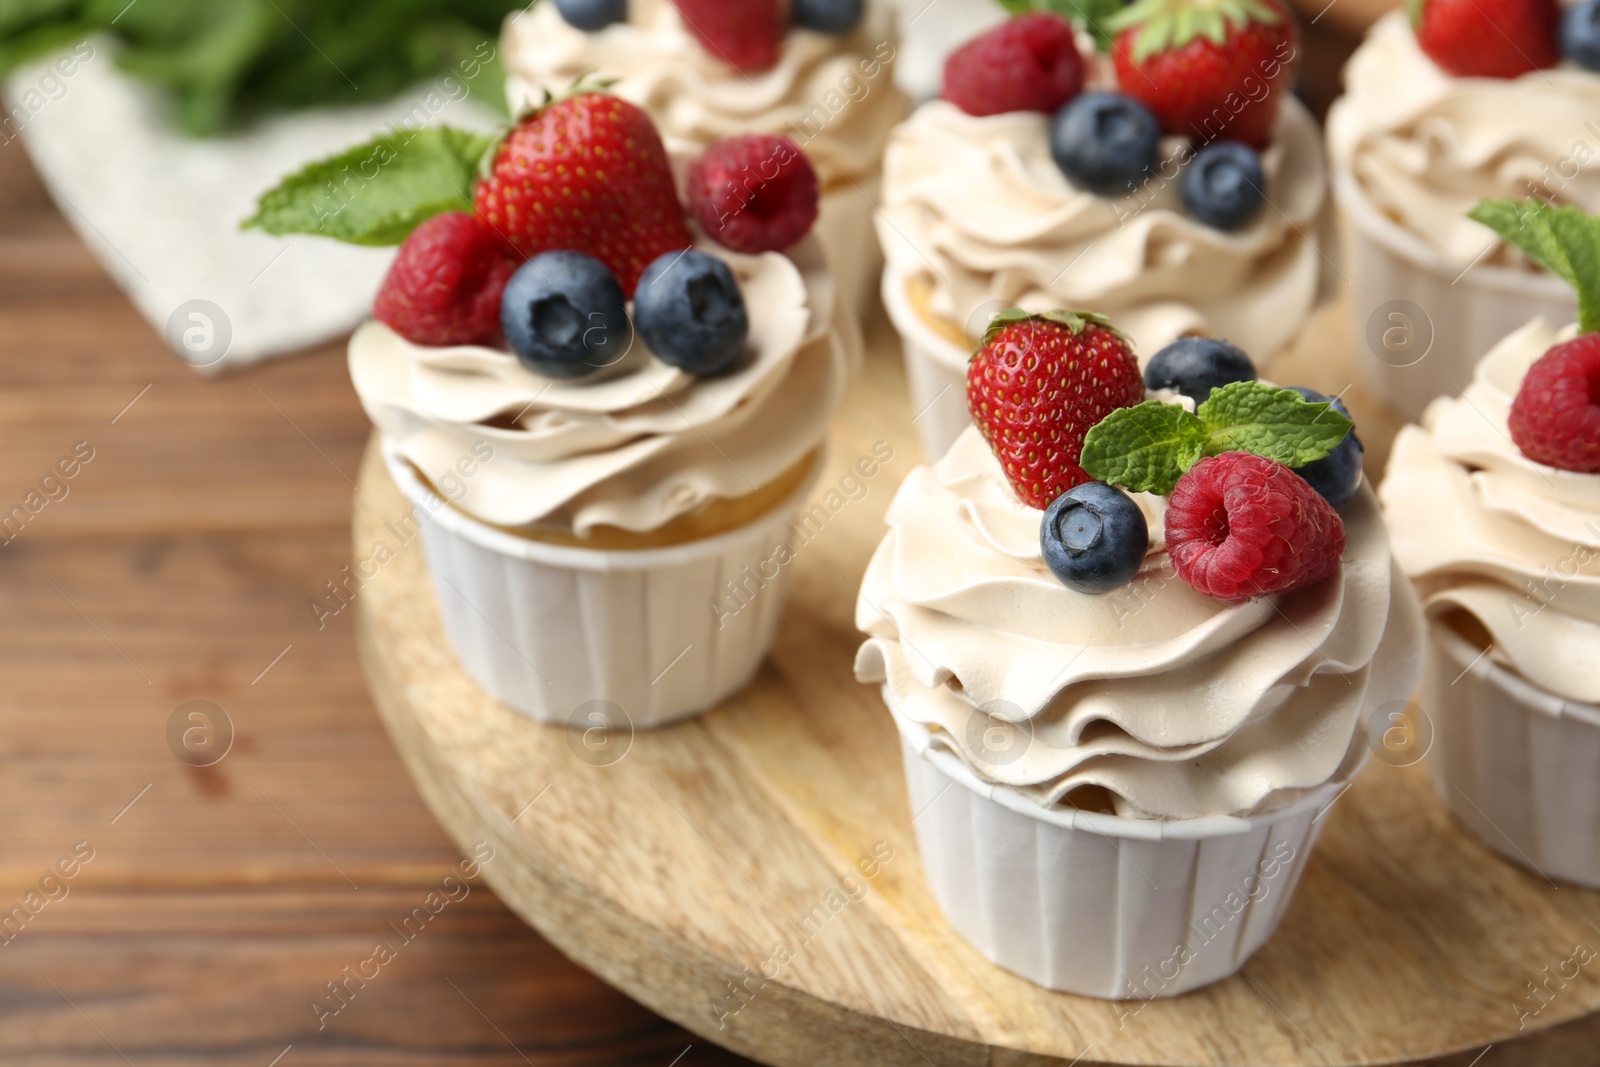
(1424, 147)
(641, 446)
(1175, 704)
(834, 95)
(978, 208)
(1482, 528)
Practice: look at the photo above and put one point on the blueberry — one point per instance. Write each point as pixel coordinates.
(1337, 475)
(1094, 538)
(690, 312)
(564, 315)
(1222, 185)
(1105, 142)
(1580, 34)
(1196, 365)
(592, 14)
(828, 16)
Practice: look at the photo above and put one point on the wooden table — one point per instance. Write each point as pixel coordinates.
(179, 566)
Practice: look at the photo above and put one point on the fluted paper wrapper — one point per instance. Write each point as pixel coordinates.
(936, 371)
(1099, 905)
(844, 227)
(1393, 272)
(548, 630)
(1518, 766)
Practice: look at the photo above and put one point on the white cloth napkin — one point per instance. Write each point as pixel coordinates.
(161, 209)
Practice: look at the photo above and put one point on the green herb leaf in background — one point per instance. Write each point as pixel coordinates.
(377, 193)
(226, 63)
(1564, 240)
(1090, 14)
(1147, 448)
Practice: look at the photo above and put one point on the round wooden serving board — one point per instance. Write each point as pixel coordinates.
(678, 864)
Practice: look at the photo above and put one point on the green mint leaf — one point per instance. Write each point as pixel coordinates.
(1144, 449)
(1279, 424)
(1092, 15)
(1565, 240)
(377, 193)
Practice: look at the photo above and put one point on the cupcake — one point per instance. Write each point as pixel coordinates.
(1129, 680)
(1172, 202)
(602, 419)
(1435, 118)
(1495, 505)
(709, 69)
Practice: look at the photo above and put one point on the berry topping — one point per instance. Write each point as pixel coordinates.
(1240, 526)
(564, 315)
(827, 16)
(1580, 34)
(444, 287)
(1337, 475)
(1194, 366)
(1223, 186)
(1030, 63)
(1035, 386)
(1555, 418)
(1488, 38)
(1207, 68)
(690, 312)
(756, 192)
(1106, 143)
(592, 15)
(1094, 538)
(745, 34)
(587, 173)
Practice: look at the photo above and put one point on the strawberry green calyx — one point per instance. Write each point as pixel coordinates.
(1074, 321)
(1414, 12)
(1564, 240)
(1167, 25)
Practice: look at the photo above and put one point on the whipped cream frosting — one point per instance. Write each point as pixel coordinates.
(1424, 146)
(1175, 704)
(639, 445)
(834, 95)
(1482, 528)
(978, 207)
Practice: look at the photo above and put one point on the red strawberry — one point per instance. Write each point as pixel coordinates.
(1488, 38)
(745, 34)
(1555, 418)
(1035, 387)
(755, 193)
(444, 287)
(587, 173)
(1028, 64)
(1241, 526)
(1209, 69)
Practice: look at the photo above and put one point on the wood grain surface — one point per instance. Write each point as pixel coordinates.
(672, 862)
(179, 566)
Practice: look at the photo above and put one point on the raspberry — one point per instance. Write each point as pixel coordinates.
(1028, 64)
(444, 287)
(1241, 526)
(755, 193)
(1555, 418)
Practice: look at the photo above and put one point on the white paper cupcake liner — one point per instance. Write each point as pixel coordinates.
(549, 630)
(1419, 323)
(844, 226)
(1518, 766)
(936, 370)
(1099, 905)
